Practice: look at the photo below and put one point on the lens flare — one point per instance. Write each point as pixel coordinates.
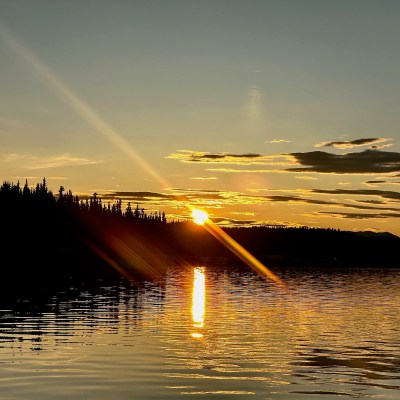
(199, 216)
(242, 253)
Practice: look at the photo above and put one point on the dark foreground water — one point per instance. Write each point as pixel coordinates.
(207, 333)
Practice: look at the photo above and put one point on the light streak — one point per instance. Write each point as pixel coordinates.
(242, 253)
(78, 104)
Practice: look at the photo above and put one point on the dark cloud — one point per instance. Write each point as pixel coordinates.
(375, 182)
(366, 162)
(213, 156)
(362, 216)
(371, 201)
(372, 182)
(180, 195)
(205, 196)
(385, 194)
(352, 143)
(191, 156)
(301, 200)
(298, 199)
(135, 195)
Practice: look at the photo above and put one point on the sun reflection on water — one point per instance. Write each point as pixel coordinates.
(198, 300)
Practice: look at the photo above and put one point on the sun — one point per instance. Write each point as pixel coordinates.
(199, 216)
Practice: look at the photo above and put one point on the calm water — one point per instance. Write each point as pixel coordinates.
(207, 333)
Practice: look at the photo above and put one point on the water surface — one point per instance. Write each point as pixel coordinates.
(204, 332)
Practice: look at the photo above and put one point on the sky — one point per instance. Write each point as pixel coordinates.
(261, 112)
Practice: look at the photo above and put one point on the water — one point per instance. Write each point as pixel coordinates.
(213, 333)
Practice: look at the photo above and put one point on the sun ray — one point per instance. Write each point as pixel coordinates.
(77, 103)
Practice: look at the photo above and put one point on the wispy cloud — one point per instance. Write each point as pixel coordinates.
(278, 141)
(353, 143)
(361, 215)
(63, 160)
(191, 156)
(136, 196)
(241, 171)
(307, 177)
(33, 162)
(380, 182)
(48, 178)
(204, 178)
(235, 222)
(369, 203)
(300, 200)
(365, 162)
(384, 194)
(13, 157)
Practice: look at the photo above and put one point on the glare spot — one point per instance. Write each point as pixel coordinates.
(199, 216)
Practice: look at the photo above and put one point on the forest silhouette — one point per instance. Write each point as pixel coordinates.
(49, 238)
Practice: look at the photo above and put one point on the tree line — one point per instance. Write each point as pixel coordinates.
(13, 195)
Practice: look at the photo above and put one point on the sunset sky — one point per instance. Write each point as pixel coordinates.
(276, 112)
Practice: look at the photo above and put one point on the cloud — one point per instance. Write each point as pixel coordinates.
(243, 171)
(63, 160)
(296, 199)
(361, 215)
(140, 196)
(247, 213)
(371, 201)
(278, 141)
(175, 197)
(375, 182)
(353, 143)
(306, 177)
(48, 178)
(190, 156)
(204, 178)
(366, 162)
(381, 146)
(235, 222)
(367, 209)
(368, 205)
(44, 162)
(378, 182)
(385, 194)
(13, 157)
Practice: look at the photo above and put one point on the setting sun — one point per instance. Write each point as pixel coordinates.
(199, 216)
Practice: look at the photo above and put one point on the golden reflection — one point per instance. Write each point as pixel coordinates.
(198, 299)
